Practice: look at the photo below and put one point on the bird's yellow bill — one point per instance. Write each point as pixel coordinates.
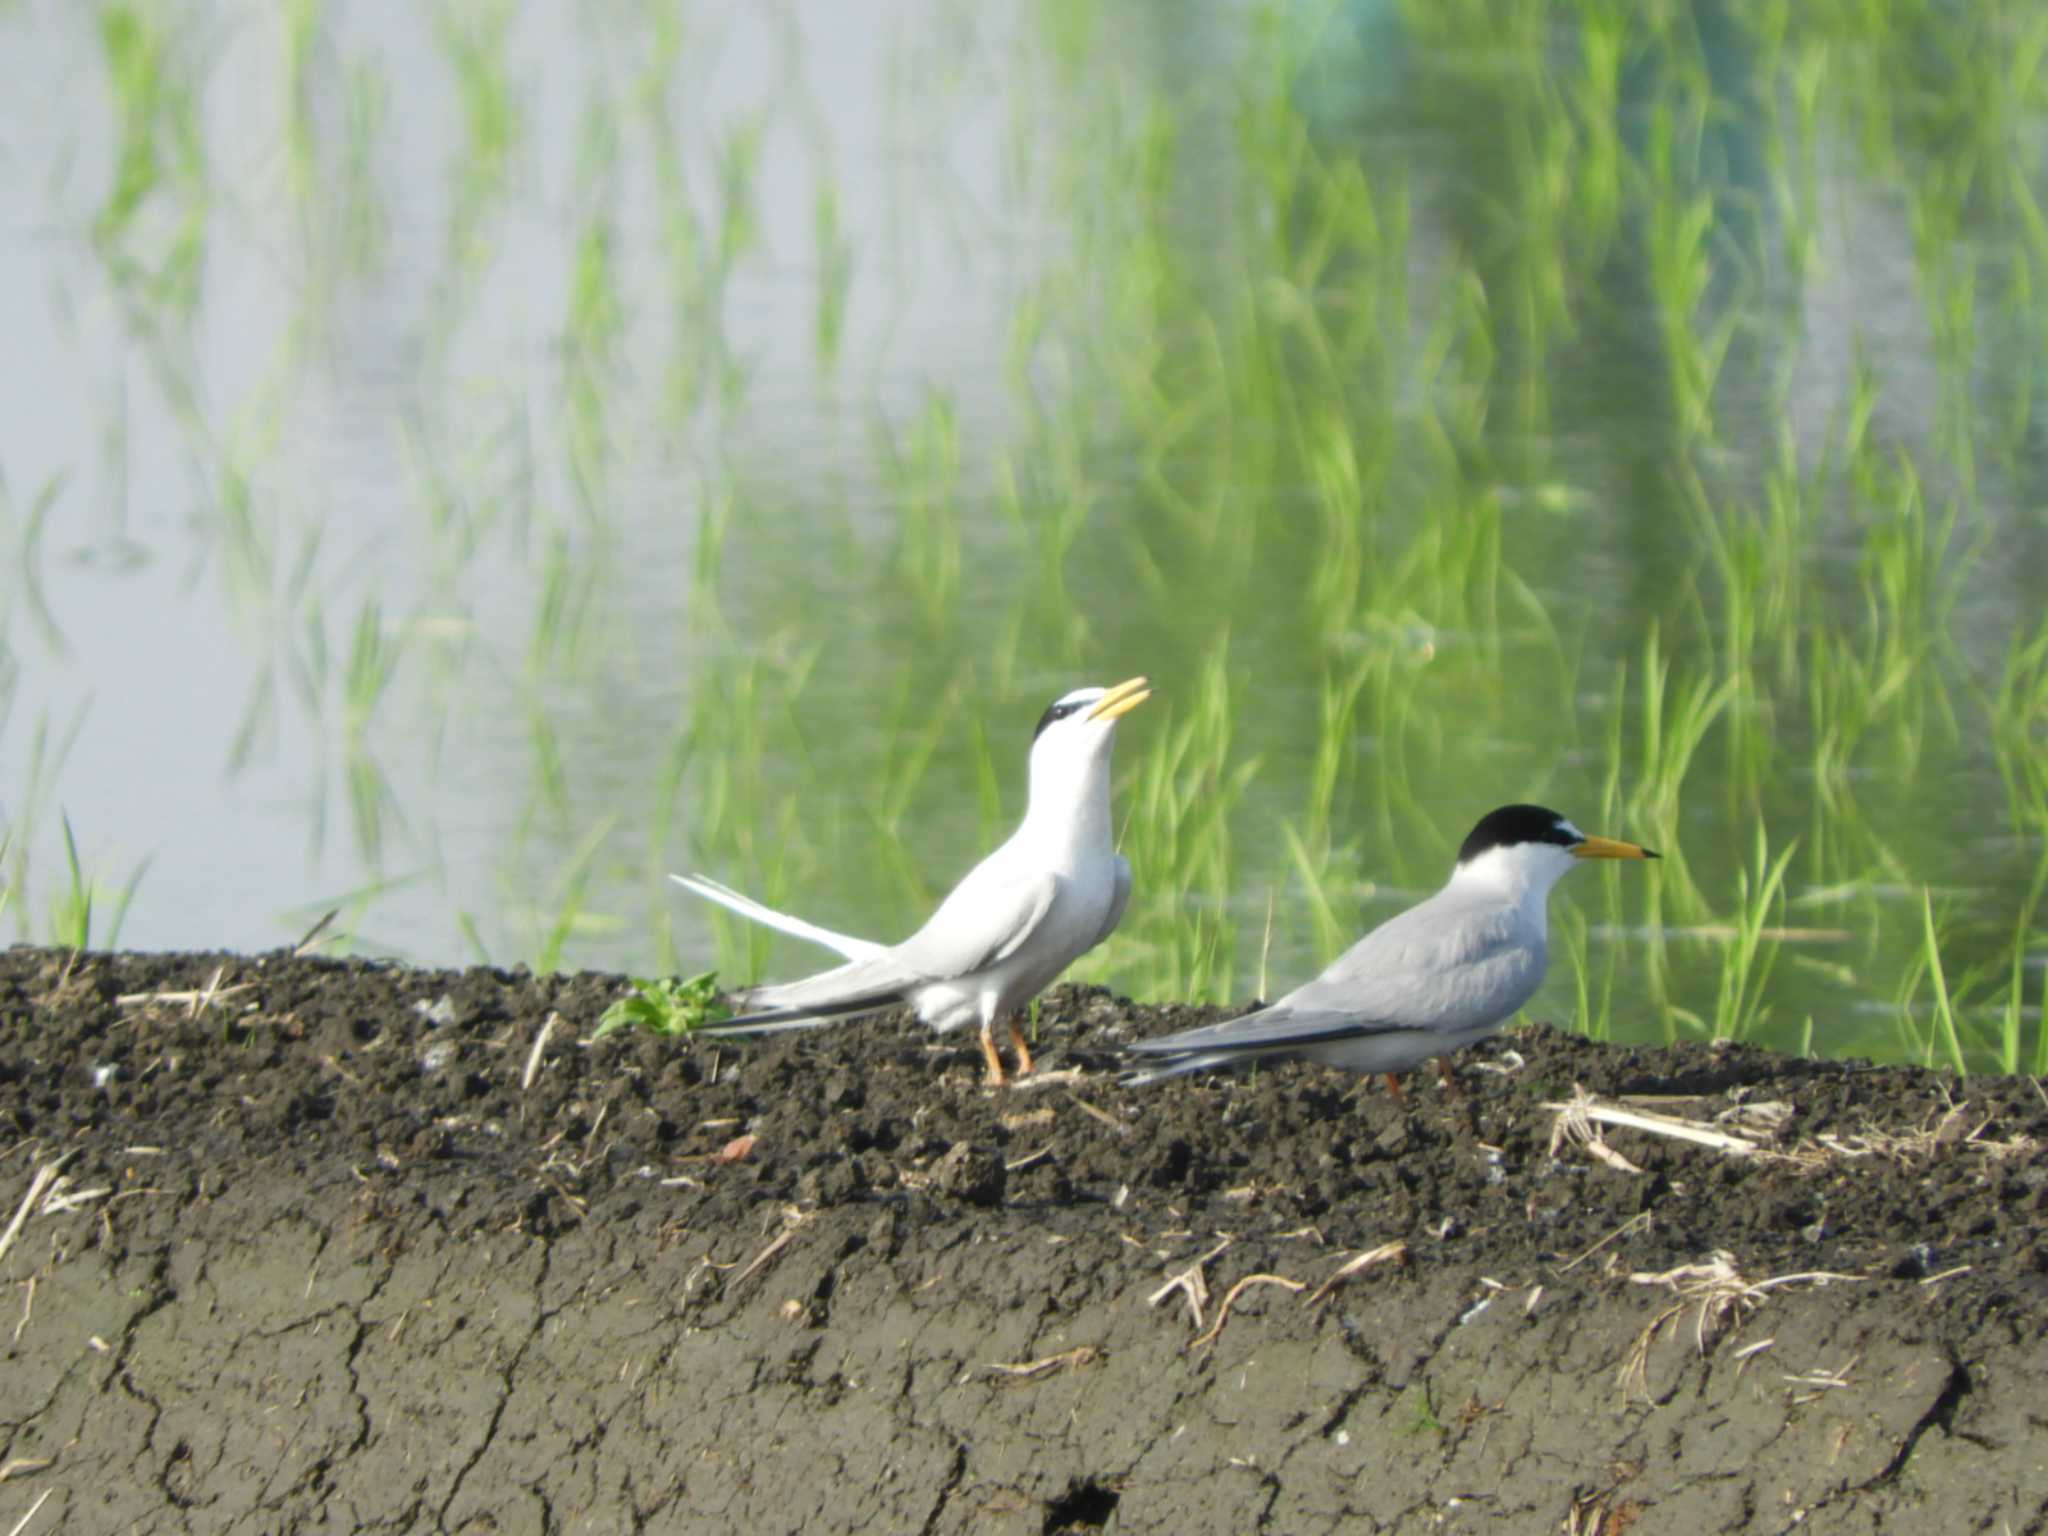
(1121, 700)
(1611, 848)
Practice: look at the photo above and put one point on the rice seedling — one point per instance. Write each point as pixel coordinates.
(1178, 939)
(2012, 1058)
(365, 223)
(23, 586)
(572, 888)
(1928, 968)
(739, 167)
(151, 229)
(926, 480)
(2018, 713)
(835, 272)
(373, 658)
(1332, 932)
(475, 42)
(1748, 955)
(472, 936)
(73, 904)
(595, 317)
(71, 912)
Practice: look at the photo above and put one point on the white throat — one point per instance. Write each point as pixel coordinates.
(1069, 805)
(1522, 873)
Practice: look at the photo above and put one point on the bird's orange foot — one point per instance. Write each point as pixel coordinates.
(1394, 1088)
(997, 1078)
(1024, 1065)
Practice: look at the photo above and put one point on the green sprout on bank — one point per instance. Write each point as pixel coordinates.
(664, 1006)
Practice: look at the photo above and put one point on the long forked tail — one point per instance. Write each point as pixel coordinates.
(1177, 1066)
(774, 1021)
(725, 896)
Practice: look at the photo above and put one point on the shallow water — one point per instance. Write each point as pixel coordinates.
(463, 462)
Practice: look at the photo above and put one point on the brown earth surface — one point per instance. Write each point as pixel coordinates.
(294, 1245)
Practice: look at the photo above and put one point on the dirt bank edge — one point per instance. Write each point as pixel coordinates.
(335, 1247)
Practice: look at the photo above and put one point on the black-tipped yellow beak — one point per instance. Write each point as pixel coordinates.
(1609, 848)
(1120, 700)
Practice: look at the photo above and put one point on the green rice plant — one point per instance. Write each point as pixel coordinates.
(1802, 65)
(373, 659)
(472, 936)
(1759, 554)
(257, 727)
(71, 909)
(475, 43)
(1741, 1002)
(571, 585)
(925, 479)
(372, 805)
(1674, 721)
(835, 272)
(301, 27)
(746, 827)
(151, 229)
(21, 586)
(365, 224)
(1589, 1017)
(550, 771)
(2018, 715)
(71, 913)
(1178, 937)
(46, 759)
(1332, 935)
(573, 887)
(1928, 968)
(739, 167)
(1911, 582)
(2012, 1015)
(1327, 796)
(664, 1007)
(1682, 266)
(595, 316)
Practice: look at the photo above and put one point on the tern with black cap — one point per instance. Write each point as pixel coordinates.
(1442, 975)
(1050, 894)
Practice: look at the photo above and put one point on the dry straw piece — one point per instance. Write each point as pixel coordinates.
(1721, 1296)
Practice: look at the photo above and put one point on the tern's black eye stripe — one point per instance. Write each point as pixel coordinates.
(1058, 711)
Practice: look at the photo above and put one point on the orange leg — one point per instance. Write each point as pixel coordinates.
(1394, 1088)
(996, 1076)
(1447, 1080)
(1024, 1067)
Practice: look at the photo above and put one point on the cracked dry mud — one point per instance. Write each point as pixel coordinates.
(317, 1255)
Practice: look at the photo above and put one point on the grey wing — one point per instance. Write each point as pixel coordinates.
(978, 925)
(1447, 965)
(1443, 967)
(1119, 898)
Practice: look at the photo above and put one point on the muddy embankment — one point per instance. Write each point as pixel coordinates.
(303, 1246)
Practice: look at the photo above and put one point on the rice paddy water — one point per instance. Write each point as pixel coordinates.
(459, 462)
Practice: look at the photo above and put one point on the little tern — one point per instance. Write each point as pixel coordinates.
(1050, 894)
(1445, 973)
